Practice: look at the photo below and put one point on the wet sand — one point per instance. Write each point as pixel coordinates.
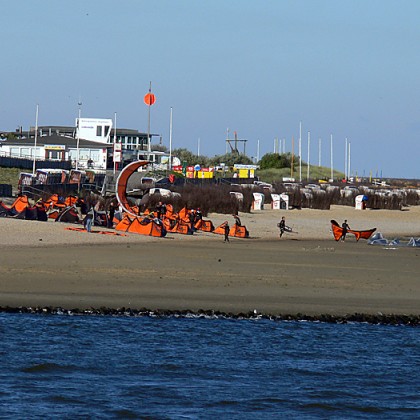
(42, 264)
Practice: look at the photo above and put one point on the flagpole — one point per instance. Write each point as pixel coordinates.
(345, 161)
(300, 151)
(149, 147)
(115, 140)
(332, 169)
(349, 162)
(170, 141)
(319, 152)
(36, 137)
(309, 149)
(78, 136)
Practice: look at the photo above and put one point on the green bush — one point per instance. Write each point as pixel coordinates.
(276, 160)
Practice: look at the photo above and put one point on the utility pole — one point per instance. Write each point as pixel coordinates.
(309, 148)
(300, 151)
(36, 137)
(332, 169)
(170, 141)
(78, 134)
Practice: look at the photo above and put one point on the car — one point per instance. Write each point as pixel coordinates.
(163, 192)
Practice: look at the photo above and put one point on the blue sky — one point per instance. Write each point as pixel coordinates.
(346, 68)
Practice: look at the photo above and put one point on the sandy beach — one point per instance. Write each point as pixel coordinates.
(43, 264)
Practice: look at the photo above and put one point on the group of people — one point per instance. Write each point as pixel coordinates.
(194, 215)
(345, 227)
(92, 211)
(160, 209)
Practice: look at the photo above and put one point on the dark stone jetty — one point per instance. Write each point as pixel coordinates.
(377, 319)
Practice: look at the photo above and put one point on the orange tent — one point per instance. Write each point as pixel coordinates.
(220, 230)
(204, 225)
(19, 205)
(235, 230)
(143, 226)
(121, 185)
(238, 231)
(54, 201)
(71, 200)
(169, 211)
(175, 226)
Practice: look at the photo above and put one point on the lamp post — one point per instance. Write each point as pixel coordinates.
(78, 136)
(332, 160)
(36, 137)
(149, 100)
(170, 141)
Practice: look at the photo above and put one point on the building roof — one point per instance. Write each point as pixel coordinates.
(56, 140)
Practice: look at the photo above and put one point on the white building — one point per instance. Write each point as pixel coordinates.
(58, 148)
(94, 129)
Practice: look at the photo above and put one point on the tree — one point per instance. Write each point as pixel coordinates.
(185, 155)
(159, 148)
(230, 159)
(275, 160)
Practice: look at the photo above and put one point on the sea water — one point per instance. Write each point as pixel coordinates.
(61, 366)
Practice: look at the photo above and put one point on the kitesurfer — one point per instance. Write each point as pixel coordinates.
(159, 209)
(111, 215)
(163, 210)
(282, 226)
(345, 228)
(226, 232)
(191, 218)
(237, 220)
(89, 219)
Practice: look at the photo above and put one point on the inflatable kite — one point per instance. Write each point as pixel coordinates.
(236, 230)
(338, 231)
(143, 226)
(121, 186)
(21, 209)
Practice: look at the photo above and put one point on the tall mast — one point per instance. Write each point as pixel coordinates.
(78, 135)
(319, 151)
(170, 141)
(36, 137)
(300, 151)
(309, 149)
(345, 161)
(332, 169)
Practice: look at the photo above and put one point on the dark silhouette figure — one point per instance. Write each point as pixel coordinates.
(226, 232)
(237, 220)
(282, 226)
(345, 228)
(111, 214)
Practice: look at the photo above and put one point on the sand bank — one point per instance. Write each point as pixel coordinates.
(42, 264)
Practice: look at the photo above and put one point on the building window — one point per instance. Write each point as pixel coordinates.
(25, 152)
(99, 131)
(106, 130)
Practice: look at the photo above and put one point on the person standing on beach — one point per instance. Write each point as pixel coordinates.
(345, 228)
(237, 220)
(282, 226)
(227, 232)
(111, 214)
(89, 219)
(198, 215)
(159, 210)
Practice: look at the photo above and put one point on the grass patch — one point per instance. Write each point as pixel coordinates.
(316, 173)
(10, 176)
